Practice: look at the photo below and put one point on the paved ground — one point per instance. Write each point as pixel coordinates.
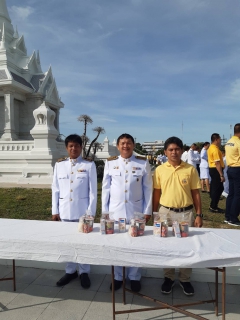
(37, 297)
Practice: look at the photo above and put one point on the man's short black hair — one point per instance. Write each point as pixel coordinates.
(73, 138)
(125, 135)
(237, 128)
(206, 144)
(186, 148)
(174, 140)
(215, 136)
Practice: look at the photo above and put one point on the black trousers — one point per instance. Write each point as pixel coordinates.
(216, 187)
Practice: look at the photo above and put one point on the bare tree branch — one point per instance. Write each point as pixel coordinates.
(86, 120)
(99, 130)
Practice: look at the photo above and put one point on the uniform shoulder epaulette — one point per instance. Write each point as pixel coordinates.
(62, 159)
(141, 158)
(112, 158)
(88, 159)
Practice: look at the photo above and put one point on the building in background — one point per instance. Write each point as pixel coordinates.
(153, 147)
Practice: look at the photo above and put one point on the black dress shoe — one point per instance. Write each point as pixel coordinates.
(135, 285)
(117, 285)
(85, 281)
(66, 279)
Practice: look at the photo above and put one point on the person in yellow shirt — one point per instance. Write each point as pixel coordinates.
(176, 188)
(216, 166)
(232, 149)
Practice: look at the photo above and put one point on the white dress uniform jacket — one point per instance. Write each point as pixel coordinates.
(74, 188)
(184, 156)
(204, 159)
(193, 158)
(127, 187)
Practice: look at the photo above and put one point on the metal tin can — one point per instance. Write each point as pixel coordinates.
(122, 225)
(110, 226)
(184, 228)
(164, 230)
(140, 228)
(157, 229)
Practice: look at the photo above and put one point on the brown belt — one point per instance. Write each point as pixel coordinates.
(179, 209)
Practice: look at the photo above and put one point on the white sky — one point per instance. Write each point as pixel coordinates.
(139, 66)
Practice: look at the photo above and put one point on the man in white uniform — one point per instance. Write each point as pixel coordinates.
(184, 156)
(74, 190)
(204, 168)
(164, 158)
(127, 188)
(193, 158)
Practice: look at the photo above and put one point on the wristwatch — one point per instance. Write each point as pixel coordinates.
(199, 215)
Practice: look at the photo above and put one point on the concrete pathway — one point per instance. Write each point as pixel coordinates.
(38, 297)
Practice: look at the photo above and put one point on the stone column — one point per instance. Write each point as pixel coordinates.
(106, 145)
(44, 132)
(9, 129)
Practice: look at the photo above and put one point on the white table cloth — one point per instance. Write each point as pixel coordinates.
(61, 242)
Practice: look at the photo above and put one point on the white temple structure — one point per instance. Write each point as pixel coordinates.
(29, 113)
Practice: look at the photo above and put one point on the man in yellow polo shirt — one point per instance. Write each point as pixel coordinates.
(176, 187)
(232, 149)
(216, 166)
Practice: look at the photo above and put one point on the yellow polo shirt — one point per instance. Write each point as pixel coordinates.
(176, 184)
(232, 149)
(214, 154)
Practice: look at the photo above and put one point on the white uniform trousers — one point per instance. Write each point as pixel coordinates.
(133, 273)
(71, 267)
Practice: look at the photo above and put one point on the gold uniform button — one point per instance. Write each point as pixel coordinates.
(126, 181)
(71, 181)
(126, 162)
(71, 172)
(71, 191)
(126, 171)
(125, 201)
(125, 190)
(70, 199)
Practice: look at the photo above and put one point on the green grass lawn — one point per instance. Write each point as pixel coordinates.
(35, 204)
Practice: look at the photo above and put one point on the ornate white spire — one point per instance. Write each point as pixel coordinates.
(16, 35)
(4, 10)
(3, 42)
(38, 57)
(4, 18)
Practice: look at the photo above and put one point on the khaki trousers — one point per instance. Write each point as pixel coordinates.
(183, 276)
(184, 273)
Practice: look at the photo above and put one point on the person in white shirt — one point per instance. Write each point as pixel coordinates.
(204, 168)
(127, 188)
(184, 156)
(164, 158)
(226, 182)
(74, 190)
(192, 158)
(198, 159)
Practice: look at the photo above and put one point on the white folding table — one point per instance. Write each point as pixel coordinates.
(61, 242)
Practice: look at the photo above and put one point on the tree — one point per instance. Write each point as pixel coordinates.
(138, 148)
(99, 130)
(86, 120)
